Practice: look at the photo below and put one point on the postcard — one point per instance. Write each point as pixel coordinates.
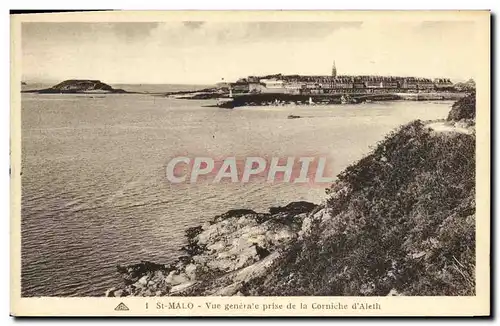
(250, 163)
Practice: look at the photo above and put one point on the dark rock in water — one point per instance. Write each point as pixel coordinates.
(292, 214)
(193, 232)
(73, 86)
(291, 116)
(133, 273)
(114, 292)
(297, 207)
(193, 248)
(233, 213)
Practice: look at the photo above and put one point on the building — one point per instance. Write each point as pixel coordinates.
(273, 85)
(335, 84)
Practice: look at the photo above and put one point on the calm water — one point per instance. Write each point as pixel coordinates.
(94, 191)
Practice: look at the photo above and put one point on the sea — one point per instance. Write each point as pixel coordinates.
(94, 187)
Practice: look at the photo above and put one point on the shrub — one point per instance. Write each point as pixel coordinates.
(463, 109)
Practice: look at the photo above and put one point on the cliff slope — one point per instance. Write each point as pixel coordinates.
(400, 221)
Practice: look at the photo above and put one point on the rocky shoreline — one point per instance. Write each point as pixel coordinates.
(222, 255)
(273, 99)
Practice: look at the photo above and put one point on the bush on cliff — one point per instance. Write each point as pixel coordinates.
(463, 109)
(401, 220)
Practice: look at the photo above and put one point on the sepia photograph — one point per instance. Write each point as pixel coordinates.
(176, 157)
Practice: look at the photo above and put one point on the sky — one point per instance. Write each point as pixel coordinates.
(205, 52)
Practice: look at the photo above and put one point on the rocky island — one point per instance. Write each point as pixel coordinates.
(79, 86)
(400, 221)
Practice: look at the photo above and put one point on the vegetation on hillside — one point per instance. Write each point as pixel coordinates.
(399, 221)
(74, 86)
(463, 109)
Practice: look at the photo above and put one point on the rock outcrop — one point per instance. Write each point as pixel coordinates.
(221, 256)
(79, 86)
(201, 94)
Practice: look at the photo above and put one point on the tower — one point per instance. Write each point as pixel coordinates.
(334, 70)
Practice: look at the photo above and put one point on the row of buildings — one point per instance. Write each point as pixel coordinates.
(299, 84)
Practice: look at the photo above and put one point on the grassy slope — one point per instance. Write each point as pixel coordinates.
(400, 219)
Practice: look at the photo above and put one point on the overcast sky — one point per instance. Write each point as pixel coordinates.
(205, 52)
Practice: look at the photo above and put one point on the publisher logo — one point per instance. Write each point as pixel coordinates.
(122, 307)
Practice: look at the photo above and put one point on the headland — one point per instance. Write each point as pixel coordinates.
(400, 221)
(79, 86)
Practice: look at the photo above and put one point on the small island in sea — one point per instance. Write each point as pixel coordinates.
(77, 86)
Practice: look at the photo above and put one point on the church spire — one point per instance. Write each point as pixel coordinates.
(334, 70)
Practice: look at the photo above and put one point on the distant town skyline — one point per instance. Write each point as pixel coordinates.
(206, 52)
